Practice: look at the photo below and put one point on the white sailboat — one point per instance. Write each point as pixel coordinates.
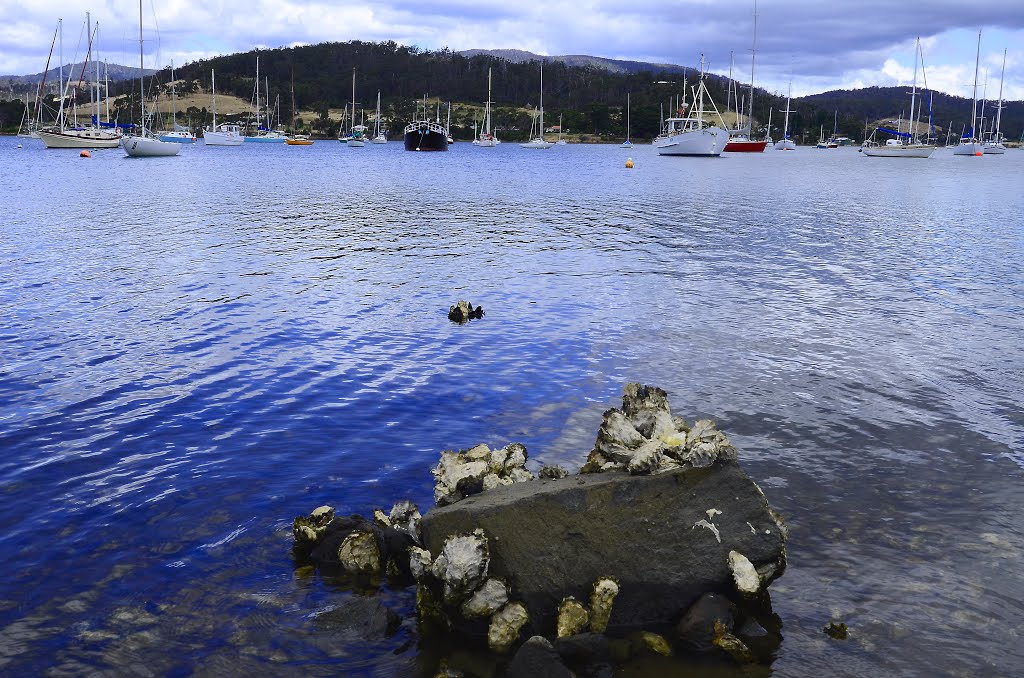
(895, 147)
(223, 134)
(785, 143)
(144, 145)
(178, 133)
(357, 135)
(538, 141)
(625, 144)
(693, 135)
(994, 145)
(379, 136)
(264, 135)
(970, 143)
(66, 135)
(486, 138)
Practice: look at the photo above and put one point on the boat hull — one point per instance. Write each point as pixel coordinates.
(299, 142)
(222, 139)
(538, 143)
(145, 147)
(265, 139)
(745, 146)
(969, 148)
(355, 143)
(993, 149)
(916, 151)
(178, 138)
(708, 142)
(423, 138)
(79, 139)
(785, 145)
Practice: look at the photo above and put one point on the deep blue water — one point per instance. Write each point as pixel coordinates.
(197, 349)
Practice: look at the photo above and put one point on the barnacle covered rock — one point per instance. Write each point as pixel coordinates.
(359, 553)
(487, 600)
(308, 530)
(461, 566)
(463, 311)
(744, 575)
(405, 517)
(573, 617)
(506, 625)
(725, 640)
(467, 472)
(601, 599)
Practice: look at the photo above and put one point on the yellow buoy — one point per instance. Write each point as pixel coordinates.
(629, 163)
(85, 154)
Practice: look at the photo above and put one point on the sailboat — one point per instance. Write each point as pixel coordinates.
(144, 145)
(768, 132)
(625, 144)
(296, 139)
(357, 134)
(425, 134)
(178, 133)
(486, 139)
(65, 135)
(994, 146)
(538, 141)
(693, 135)
(379, 136)
(785, 143)
(223, 134)
(969, 141)
(895, 148)
(741, 140)
(561, 141)
(263, 135)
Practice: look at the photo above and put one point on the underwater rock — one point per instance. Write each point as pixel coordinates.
(359, 618)
(573, 617)
(636, 528)
(643, 437)
(601, 598)
(506, 625)
(837, 631)
(537, 658)
(468, 472)
(391, 546)
(487, 600)
(696, 630)
(463, 311)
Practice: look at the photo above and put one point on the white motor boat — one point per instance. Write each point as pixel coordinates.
(693, 135)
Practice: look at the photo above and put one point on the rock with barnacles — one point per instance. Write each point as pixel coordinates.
(643, 437)
(573, 617)
(461, 566)
(463, 311)
(352, 544)
(308, 530)
(359, 553)
(505, 626)
(601, 599)
(487, 600)
(744, 575)
(468, 472)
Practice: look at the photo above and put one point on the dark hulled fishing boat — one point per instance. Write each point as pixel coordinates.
(426, 135)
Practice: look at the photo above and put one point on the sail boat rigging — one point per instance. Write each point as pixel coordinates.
(178, 133)
(895, 147)
(538, 141)
(223, 134)
(785, 143)
(741, 140)
(379, 135)
(994, 145)
(486, 139)
(145, 145)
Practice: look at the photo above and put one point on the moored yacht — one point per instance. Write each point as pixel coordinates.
(970, 144)
(425, 134)
(693, 135)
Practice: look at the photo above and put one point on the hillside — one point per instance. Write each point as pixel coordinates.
(588, 93)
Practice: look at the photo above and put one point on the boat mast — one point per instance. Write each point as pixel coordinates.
(540, 130)
(999, 108)
(174, 102)
(106, 87)
(487, 105)
(96, 121)
(913, 94)
(974, 103)
(142, 73)
(627, 119)
(753, 53)
(258, 103)
(213, 94)
(785, 127)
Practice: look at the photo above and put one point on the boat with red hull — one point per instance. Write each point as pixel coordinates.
(745, 146)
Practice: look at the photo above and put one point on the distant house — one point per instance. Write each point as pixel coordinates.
(554, 129)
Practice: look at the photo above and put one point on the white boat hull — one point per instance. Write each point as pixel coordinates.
(355, 143)
(909, 151)
(79, 138)
(785, 145)
(537, 143)
(267, 139)
(178, 137)
(145, 147)
(993, 149)
(222, 139)
(969, 148)
(708, 142)
(379, 139)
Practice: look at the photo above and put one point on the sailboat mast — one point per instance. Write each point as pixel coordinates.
(259, 104)
(913, 93)
(753, 53)
(106, 87)
(974, 103)
(487, 106)
(999, 110)
(96, 123)
(142, 72)
(627, 119)
(785, 127)
(540, 131)
(213, 92)
(174, 102)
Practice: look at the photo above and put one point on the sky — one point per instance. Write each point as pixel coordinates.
(817, 45)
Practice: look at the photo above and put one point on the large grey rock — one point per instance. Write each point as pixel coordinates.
(537, 659)
(553, 539)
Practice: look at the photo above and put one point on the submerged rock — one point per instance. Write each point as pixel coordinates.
(463, 311)
(696, 630)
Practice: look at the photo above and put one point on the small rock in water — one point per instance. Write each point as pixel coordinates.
(463, 312)
(837, 631)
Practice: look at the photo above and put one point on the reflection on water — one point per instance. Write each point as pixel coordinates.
(197, 349)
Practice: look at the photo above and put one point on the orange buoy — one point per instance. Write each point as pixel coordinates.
(978, 153)
(629, 163)
(85, 154)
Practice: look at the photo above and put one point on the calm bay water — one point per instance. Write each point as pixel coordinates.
(197, 349)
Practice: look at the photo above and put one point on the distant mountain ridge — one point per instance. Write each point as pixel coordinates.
(116, 73)
(518, 56)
